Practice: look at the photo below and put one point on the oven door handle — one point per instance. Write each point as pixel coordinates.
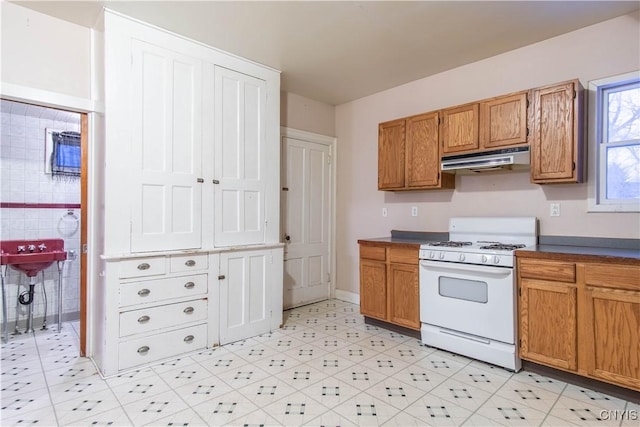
(469, 268)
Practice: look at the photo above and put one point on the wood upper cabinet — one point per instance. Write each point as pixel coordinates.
(556, 133)
(548, 301)
(409, 155)
(503, 121)
(612, 314)
(389, 285)
(391, 155)
(459, 129)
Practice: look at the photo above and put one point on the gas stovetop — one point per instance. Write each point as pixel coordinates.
(483, 240)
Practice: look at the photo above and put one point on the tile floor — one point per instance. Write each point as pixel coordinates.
(324, 367)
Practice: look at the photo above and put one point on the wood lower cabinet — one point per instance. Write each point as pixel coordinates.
(581, 316)
(389, 285)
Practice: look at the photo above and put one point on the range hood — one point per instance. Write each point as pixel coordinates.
(487, 161)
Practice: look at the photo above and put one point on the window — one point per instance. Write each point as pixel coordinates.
(614, 140)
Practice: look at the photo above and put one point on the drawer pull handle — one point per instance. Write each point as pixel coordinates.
(143, 350)
(188, 338)
(190, 263)
(188, 310)
(143, 319)
(189, 285)
(221, 277)
(144, 266)
(144, 292)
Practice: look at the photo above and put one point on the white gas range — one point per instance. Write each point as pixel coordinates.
(468, 288)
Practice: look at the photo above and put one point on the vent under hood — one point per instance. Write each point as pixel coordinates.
(505, 159)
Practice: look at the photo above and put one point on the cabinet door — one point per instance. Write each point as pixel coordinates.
(459, 129)
(613, 322)
(373, 289)
(244, 294)
(391, 155)
(404, 298)
(555, 134)
(167, 149)
(422, 154)
(240, 158)
(548, 323)
(503, 121)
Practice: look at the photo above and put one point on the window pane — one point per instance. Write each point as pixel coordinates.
(623, 172)
(623, 122)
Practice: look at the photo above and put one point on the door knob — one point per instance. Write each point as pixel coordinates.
(287, 237)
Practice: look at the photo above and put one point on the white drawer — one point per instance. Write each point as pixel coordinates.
(150, 291)
(161, 346)
(193, 262)
(163, 316)
(141, 267)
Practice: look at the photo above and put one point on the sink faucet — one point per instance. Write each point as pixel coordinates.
(42, 247)
(31, 248)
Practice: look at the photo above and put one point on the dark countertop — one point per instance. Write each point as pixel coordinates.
(401, 237)
(581, 253)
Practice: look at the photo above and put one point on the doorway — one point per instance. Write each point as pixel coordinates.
(44, 196)
(307, 210)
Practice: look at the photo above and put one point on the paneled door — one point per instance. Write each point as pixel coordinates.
(166, 150)
(245, 304)
(306, 207)
(240, 158)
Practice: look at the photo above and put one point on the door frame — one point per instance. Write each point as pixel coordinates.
(286, 132)
(87, 108)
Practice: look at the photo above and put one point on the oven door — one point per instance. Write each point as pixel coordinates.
(473, 299)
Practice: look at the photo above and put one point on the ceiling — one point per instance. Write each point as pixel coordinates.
(338, 51)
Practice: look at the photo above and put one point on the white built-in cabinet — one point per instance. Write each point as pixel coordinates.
(190, 255)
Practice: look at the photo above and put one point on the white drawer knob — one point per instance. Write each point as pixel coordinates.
(144, 292)
(190, 263)
(188, 338)
(188, 310)
(189, 285)
(144, 319)
(143, 350)
(143, 266)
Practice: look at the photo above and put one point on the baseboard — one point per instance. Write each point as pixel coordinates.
(38, 321)
(347, 296)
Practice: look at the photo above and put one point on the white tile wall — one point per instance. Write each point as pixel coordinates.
(23, 180)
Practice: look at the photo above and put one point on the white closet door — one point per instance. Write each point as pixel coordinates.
(244, 294)
(240, 160)
(167, 139)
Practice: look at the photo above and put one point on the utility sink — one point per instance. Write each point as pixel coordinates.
(31, 256)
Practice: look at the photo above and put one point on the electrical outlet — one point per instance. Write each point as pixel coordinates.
(384, 212)
(414, 211)
(554, 209)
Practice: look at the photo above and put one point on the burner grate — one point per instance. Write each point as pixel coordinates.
(450, 244)
(503, 246)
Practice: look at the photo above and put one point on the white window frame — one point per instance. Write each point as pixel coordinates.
(597, 161)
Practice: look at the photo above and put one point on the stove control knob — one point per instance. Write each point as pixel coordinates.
(432, 254)
(461, 257)
(496, 260)
(441, 255)
(484, 258)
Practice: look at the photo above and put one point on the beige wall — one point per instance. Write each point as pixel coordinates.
(298, 112)
(598, 51)
(42, 52)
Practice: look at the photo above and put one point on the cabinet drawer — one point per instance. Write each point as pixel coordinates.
(141, 267)
(373, 252)
(613, 276)
(160, 317)
(404, 255)
(151, 291)
(161, 346)
(182, 263)
(556, 271)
